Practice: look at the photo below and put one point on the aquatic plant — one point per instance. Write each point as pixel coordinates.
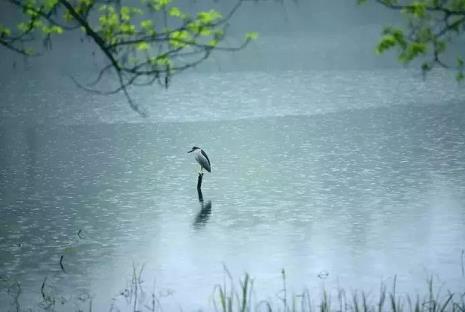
(238, 295)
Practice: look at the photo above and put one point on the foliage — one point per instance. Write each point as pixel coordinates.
(431, 29)
(144, 41)
(239, 295)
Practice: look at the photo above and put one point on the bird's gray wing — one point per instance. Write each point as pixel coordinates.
(205, 164)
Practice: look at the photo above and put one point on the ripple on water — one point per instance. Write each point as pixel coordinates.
(356, 187)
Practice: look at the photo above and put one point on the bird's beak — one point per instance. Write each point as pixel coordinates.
(190, 151)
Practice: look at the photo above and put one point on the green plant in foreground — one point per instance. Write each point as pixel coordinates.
(232, 296)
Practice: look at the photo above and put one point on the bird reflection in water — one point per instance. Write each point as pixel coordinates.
(205, 208)
(202, 217)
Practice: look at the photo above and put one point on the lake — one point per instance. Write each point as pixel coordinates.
(344, 179)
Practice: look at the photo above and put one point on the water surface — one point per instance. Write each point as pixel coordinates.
(324, 173)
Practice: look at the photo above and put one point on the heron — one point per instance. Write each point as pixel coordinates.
(202, 158)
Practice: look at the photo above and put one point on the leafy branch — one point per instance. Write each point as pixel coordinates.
(143, 43)
(432, 26)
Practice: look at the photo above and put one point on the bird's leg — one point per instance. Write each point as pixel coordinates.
(201, 170)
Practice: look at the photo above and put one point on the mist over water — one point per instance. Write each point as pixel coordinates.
(338, 166)
(197, 97)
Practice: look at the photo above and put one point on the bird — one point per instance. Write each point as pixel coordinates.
(202, 158)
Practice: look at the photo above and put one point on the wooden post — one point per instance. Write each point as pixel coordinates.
(205, 209)
(199, 187)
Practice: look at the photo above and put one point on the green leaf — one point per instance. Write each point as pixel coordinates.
(176, 12)
(209, 17)
(180, 39)
(416, 9)
(31, 12)
(125, 13)
(207, 31)
(160, 60)
(23, 27)
(127, 29)
(213, 43)
(50, 4)
(4, 31)
(158, 5)
(387, 42)
(251, 36)
(146, 24)
(392, 37)
(412, 51)
(55, 30)
(148, 27)
(143, 46)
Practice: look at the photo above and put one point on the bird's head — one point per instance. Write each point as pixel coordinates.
(193, 149)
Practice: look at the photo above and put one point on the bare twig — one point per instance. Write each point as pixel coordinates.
(42, 289)
(61, 264)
